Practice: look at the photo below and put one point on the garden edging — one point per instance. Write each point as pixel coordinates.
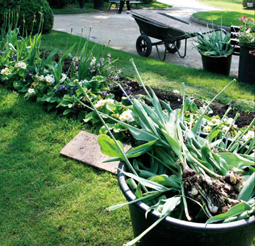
(205, 23)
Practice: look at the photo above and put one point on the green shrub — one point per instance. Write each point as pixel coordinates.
(29, 14)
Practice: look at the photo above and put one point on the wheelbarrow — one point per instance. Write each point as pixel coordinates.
(169, 36)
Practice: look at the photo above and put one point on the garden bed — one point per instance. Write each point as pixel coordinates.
(176, 101)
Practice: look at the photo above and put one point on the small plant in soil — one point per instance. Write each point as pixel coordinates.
(178, 172)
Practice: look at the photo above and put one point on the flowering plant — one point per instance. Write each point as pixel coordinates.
(247, 33)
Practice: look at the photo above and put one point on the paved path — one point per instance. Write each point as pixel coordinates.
(123, 31)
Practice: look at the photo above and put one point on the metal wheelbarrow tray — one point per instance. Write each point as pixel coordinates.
(166, 28)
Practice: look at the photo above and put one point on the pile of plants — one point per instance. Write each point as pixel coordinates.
(176, 171)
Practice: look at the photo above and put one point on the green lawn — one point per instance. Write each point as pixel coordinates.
(166, 76)
(228, 16)
(225, 4)
(47, 199)
(89, 7)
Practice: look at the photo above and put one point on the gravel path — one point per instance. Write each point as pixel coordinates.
(123, 31)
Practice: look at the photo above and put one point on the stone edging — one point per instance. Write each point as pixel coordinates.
(209, 24)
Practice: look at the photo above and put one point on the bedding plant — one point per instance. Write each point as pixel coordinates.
(178, 172)
(247, 33)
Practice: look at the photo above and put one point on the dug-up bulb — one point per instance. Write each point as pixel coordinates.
(193, 191)
(231, 178)
(213, 209)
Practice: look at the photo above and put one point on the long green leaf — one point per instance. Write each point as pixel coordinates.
(166, 181)
(247, 189)
(141, 149)
(109, 147)
(235, 160)
(145, 182)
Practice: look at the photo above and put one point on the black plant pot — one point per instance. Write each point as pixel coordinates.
(174, 232)
(82, 4)
(99, 4)
(217, 64)
(246, 71)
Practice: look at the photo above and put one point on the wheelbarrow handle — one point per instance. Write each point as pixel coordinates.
(214, 30)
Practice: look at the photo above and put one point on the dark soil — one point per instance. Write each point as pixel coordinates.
(176, 101)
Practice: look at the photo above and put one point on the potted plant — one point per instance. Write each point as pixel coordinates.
(246, 71)
(178, 183)
(216, 51)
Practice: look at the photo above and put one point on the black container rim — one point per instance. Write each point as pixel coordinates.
(192, 225)
(215, 57)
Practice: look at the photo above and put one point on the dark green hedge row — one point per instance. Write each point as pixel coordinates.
(28, 14)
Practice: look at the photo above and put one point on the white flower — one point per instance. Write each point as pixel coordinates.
(5, 71)
(63, 77)
(207, 129)
(214, 121)
(127, 116)
(249, 135)
(204, 121)
(31, 91)
(75, 58)
(93, 62)
(41, 77)
(49, 78)
(225, 129)
(28, 47)
(12, 47)
(20, 65)
(204, 108)
(229, 121)
(176, 92)
(101, 103)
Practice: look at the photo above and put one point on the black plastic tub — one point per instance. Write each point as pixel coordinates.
(246, 71)
(217, 64)
(174, 232)
(99, 4)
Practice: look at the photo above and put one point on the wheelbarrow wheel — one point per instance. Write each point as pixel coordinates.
(173, 46)
(143, 45)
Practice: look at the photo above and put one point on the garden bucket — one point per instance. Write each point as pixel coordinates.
(246, 71)
(174, 232)
(217, 64)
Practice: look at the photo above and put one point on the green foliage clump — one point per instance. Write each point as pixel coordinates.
(29, 14)
(214, 44)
